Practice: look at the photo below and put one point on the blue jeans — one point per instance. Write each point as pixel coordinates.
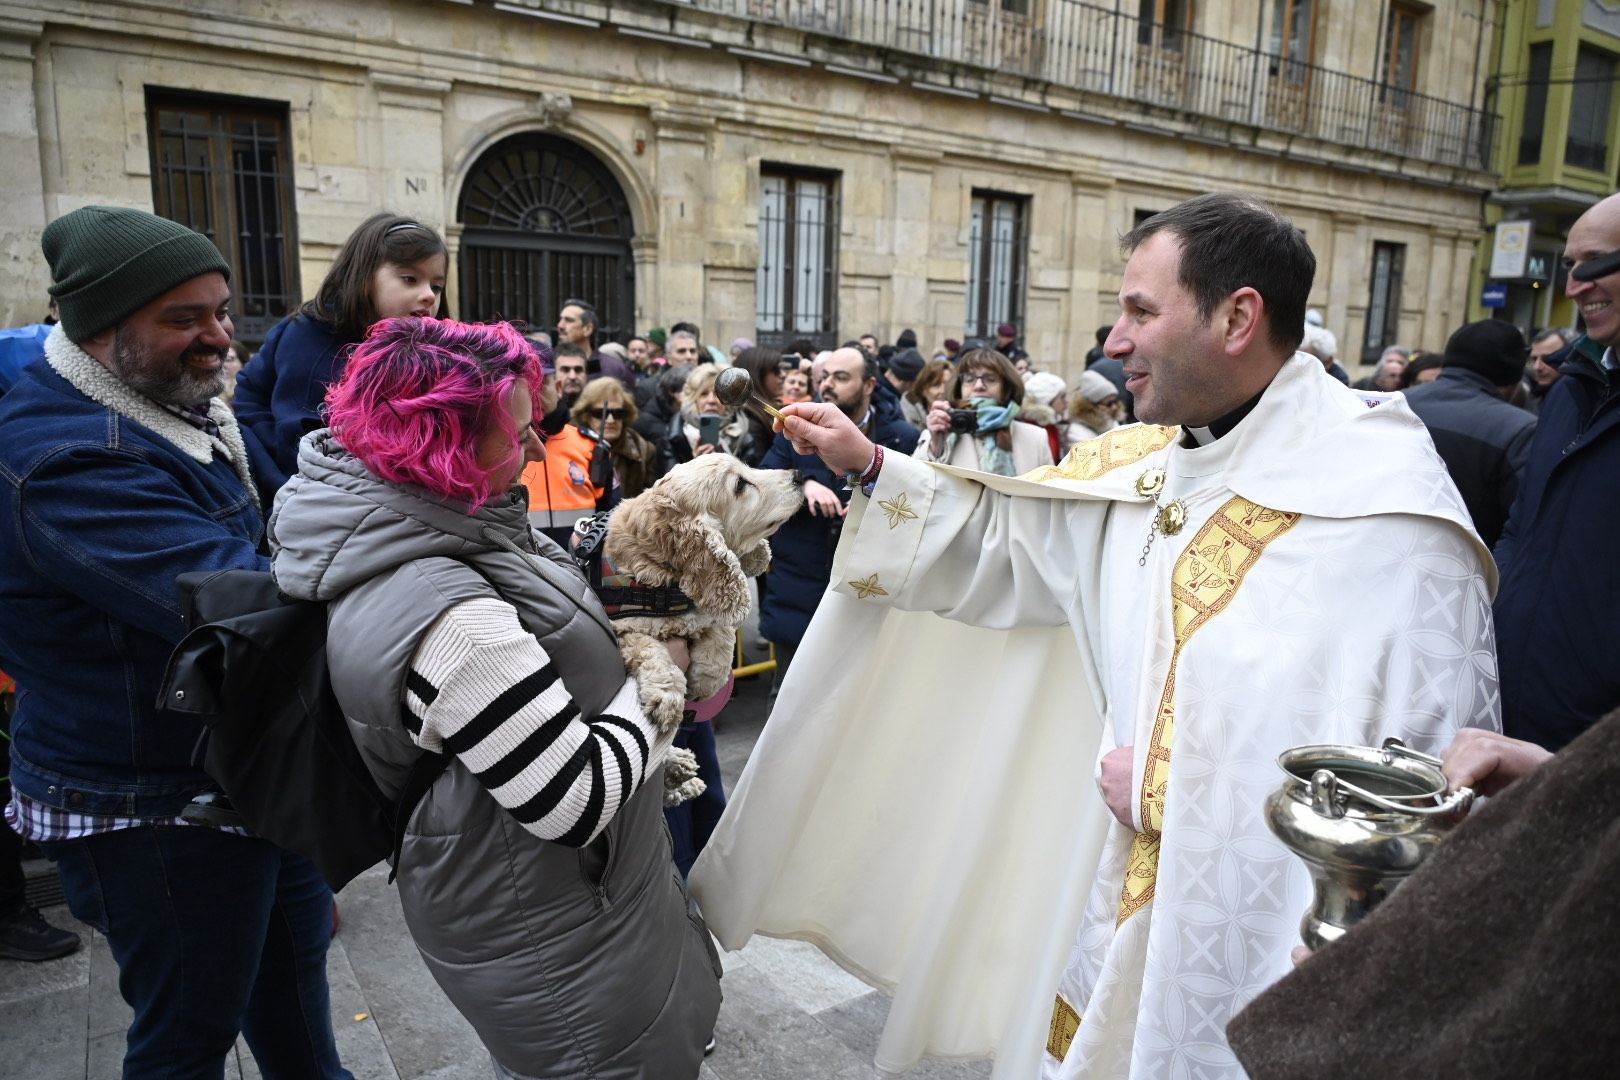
(214, 934)
(692, 823)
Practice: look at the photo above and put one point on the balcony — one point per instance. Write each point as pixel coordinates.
(1093, 50)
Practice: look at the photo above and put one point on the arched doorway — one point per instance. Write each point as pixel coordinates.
(545, 221)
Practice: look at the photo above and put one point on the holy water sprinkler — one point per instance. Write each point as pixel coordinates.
(734, 386)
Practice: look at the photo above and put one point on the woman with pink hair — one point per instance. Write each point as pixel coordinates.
(535, 875)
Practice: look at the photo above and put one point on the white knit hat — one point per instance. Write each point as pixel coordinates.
(1043, 387)
(1097, 388)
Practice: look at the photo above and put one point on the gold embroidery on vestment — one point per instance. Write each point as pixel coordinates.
(868, 587)
(1094, 457)
(898, 510)
(1065, 1025)
(1205, 578)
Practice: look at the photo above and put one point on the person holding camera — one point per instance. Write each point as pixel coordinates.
(975, 428)
(704, 425)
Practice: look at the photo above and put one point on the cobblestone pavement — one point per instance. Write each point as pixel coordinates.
(789, 1013)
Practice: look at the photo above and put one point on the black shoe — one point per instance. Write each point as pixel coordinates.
(26, 936)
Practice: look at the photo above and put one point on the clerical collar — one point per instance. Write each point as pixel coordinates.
(1219, 428)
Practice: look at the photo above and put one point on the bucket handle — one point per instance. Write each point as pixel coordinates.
(1329, 790)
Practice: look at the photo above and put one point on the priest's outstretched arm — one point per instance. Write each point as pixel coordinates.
(924, 540)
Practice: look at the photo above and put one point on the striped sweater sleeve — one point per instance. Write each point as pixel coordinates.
(480, 686)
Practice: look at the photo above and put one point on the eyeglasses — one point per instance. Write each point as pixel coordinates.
(611, 414)
(981, 378)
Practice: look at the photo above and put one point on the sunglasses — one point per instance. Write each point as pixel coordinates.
(611, 414)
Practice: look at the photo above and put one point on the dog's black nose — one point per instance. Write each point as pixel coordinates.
(799, 478)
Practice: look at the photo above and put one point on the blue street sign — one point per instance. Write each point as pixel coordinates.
(1493, 295)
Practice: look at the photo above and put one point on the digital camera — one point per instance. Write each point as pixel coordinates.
(965, 421)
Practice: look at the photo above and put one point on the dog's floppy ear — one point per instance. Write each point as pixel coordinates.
(706, 569)
(756, 560)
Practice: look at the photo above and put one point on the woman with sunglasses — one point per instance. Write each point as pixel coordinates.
(990, 388)
(605, 412)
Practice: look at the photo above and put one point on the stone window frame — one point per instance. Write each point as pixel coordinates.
(249, 213)
(781, 258)
(1384, 283)
(984, 310)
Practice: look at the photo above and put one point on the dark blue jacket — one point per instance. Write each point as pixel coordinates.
(98, 516)
(1483, 440)
(1558, 605)
(802, 550)
(281, 390)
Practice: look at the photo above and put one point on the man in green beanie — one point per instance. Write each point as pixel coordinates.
(120, 469)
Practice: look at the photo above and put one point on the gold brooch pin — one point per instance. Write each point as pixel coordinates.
(1173, 517)
(1168, 518)
(868, 587)
(898, 510)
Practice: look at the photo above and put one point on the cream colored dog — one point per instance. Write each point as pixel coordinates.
(702, 528)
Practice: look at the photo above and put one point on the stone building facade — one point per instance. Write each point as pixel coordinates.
(771, 169)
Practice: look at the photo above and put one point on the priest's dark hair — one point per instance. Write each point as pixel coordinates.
(1229, 242)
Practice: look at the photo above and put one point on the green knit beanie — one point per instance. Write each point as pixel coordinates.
(108, 262)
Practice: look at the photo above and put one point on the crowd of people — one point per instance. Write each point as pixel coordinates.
(426, 478)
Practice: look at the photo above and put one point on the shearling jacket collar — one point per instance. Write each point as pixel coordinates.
(92, 379)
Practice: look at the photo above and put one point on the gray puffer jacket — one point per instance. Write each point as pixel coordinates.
(569, 962)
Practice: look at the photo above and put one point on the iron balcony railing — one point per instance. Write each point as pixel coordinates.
(1083, 47)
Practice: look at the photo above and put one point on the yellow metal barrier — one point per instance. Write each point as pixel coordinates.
(741, 670)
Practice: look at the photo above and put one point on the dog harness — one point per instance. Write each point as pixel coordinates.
(622, 596)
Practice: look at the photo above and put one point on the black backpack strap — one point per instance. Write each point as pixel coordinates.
(425, 770)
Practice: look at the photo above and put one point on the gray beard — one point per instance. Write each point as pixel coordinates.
(165, 383)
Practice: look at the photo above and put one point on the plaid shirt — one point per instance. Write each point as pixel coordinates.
(43, 824)
(195, 415)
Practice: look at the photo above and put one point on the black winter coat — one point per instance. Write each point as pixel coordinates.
(1483, 440)
(1557, 620)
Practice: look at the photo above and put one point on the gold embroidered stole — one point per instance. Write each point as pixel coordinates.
(1094, 457)
(1205, 578)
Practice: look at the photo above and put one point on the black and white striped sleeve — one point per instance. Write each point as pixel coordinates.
(480, 686)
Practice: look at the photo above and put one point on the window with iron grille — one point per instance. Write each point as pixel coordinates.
(797, 284)
(1587, 145)
(223, 167)
(998, 257)
(1384, 303)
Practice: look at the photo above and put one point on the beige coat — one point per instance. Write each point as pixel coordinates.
(1030, 449)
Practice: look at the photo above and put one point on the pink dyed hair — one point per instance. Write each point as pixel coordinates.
(418, 396)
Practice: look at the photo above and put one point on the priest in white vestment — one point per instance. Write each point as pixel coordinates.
(1015, 774)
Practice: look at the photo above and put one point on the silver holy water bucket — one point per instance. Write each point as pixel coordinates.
(1362, 818)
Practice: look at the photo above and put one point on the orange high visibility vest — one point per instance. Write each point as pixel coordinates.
(560, 488)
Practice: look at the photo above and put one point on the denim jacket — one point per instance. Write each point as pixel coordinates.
(104, 499)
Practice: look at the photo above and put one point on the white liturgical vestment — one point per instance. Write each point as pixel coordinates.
(923, 806)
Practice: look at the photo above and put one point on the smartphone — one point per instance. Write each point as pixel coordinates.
(709, 430)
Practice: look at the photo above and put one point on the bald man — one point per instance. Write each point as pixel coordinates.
(1556, 623)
